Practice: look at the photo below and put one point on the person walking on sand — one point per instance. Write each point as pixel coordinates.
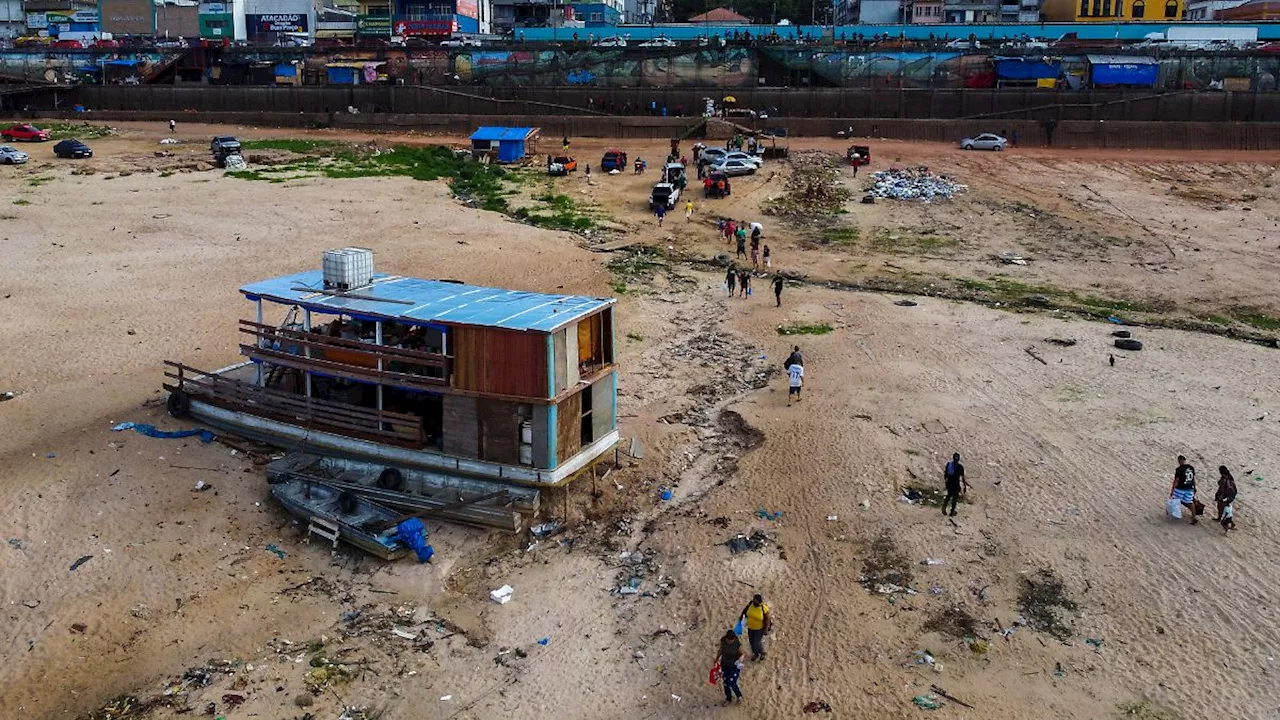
(756, 615)
(730, 659)
(1184, 486)
(660, 210)
(795, 378)
(767, 257)
(953, 476)
(688, 211)
(729, 229)
(755, 258)
(744, 282)
(720, 225)
(731, 279)
(777, 288)
(173, 125)
(565, 144)
(742, 244)
(1226, 498)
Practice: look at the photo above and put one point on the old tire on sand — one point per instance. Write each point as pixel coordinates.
(1128, 344)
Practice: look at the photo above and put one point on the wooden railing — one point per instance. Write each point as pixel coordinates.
(345, 358)
(340, 418)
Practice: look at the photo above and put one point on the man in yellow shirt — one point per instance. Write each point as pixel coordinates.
(756, 615)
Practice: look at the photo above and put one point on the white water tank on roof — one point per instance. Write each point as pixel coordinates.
(348, 268)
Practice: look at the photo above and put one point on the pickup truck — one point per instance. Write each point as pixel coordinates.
(30, 133)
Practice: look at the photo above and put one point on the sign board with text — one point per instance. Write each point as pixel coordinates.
(128, 17)
(425, 28)
(277, 23)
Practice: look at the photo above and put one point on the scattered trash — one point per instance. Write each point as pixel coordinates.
(7, 395)
(544, 641)
(1095, 642)
(666, 495)
(78, 628)
(170, 141)
(446, 698)
(933, 561)
(51, 455)
(943, 693)
(16, 543)
(201, 486)
(815, 706)
(978, 647)
(1122, 334)
(906, 303)
(80, 562)
(275, 550)
(1009, 257)
(235, 162)
(741, 543)
(832, 518)
(233, 700)
(31, 604)
(766, 515)
(1114, 320)
(927, 702)
(1063, 342)
(1058, 671)
(502, 595)
(398, 632)
(923, 657)
(206, 436)
(545, 528)
(675, 697)
(913, 183)
(864, 505)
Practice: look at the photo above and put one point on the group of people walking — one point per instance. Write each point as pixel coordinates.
(739, 232)
(1182, 494)
(731, 657)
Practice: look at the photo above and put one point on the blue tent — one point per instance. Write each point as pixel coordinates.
(1020, 68)
(511, 143)
(1130, 70)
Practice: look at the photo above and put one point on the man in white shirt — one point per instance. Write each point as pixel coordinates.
(795, 381)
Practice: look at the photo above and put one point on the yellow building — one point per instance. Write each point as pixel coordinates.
(1110, 11)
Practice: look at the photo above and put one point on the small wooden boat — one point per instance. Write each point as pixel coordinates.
(359, 520)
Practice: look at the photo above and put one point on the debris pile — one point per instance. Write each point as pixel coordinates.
(913, 183)
(812, 189)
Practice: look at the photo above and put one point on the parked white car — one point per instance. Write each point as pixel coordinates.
(664, 42)
(12, 156)
(612, 41)
(460, 42)
(985, 141)
(744, 157)
(733, 168)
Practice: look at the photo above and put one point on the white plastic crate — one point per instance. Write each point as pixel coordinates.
(348, 268)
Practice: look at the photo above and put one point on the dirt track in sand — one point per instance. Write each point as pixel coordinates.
(1069, 460)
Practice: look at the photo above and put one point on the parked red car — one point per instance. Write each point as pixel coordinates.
(30, 133)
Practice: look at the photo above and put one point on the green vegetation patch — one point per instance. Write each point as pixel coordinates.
(805, 329)
(21, 201)
(1257, 319)
(840, 236)
(554, 212)
(80, 131)
(1144, 710)
(907, 242)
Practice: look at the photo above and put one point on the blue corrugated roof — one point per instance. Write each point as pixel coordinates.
(501, 133)
(423, 301)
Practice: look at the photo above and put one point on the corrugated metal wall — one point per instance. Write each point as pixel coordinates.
(502, 362)
(460, 433)
(569, 427)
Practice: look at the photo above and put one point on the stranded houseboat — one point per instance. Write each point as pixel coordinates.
(431, 375)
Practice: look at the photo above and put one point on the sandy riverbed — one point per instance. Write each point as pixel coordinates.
(1070, 459)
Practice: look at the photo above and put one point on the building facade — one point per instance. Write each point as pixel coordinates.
(880, 12)
(1111, 11)
(972, 11)
(927, 12)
